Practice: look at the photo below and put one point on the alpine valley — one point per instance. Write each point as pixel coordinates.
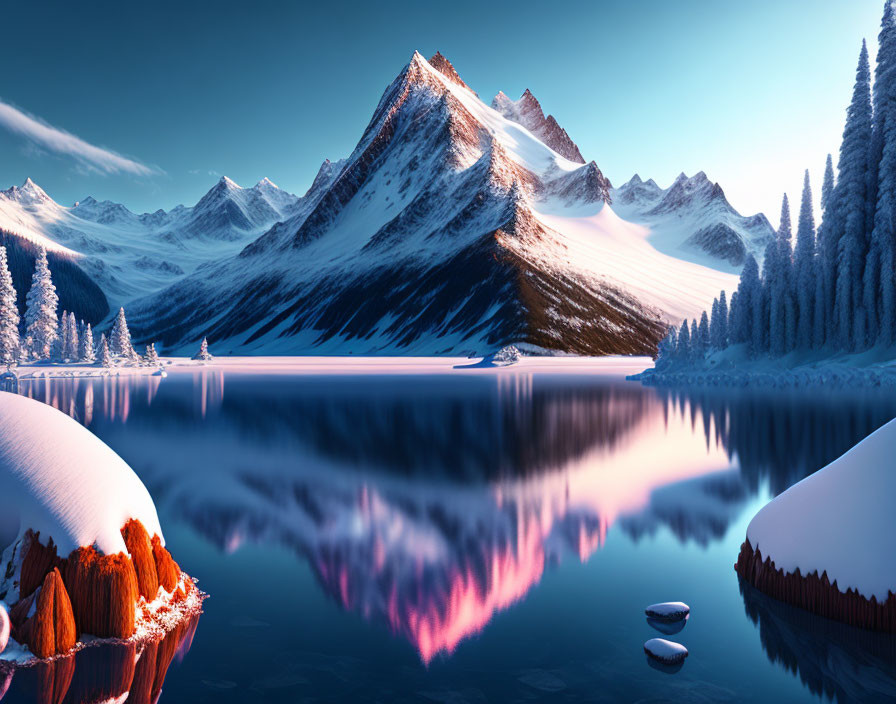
(454, 227)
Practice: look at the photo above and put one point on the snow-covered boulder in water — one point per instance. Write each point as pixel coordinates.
(666, 651)
(827, 543)
(82, 549)
(668, 611)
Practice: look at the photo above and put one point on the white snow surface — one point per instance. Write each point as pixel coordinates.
(838, 520)
(665, 650)
(668, 610)
(4, 627)
(60, 479)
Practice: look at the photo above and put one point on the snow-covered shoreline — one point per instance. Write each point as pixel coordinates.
(612, 365)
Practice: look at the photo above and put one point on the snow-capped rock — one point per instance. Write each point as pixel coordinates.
(825, 543)
(84, 543)
(693, 219)
(666, 651)
(668, 611)
(449, 228)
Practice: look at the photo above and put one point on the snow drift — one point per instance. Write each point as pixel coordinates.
(83, 551)
(826, 544)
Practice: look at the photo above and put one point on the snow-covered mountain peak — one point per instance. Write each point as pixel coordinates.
(444, 66)
(527, 111)
(29, 193)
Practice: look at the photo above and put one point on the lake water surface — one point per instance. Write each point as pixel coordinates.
(471, 538)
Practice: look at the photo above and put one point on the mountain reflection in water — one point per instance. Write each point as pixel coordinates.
(430, 504)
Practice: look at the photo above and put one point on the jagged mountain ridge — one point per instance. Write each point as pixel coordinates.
(528, 112)
(449, 229)
(130, 255)
(693, 219)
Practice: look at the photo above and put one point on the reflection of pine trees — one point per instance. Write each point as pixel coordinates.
(830, 658)
(782, 437)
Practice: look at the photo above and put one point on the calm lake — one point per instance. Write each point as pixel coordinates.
(471, 538)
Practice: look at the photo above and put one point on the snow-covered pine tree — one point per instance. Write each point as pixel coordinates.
(151, 357)
(733, 323)
(10, 345)
(696, 348)
(41, 323)
(850, 196)
(666, 350)
(879, 286)
(714, 341)
(804, 268)
(883, 106)
(774, 280)
(684, 342)
(121, 339)
(703, 332)
(827, 186)
(203, 354)
(73, 338)
(748, 317)
(61, 346)
(103, 355)
(86, 350)
(723, 320)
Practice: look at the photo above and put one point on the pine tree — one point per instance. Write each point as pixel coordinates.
(804, 268)
(714, 337)
(73, 340)
(703, 335)
(121, 339)
(775, 275)
(748, 316)
(61, 346)
(103, 355)
(10, 345)
(723, 321)
(203, 353)
(733, 322)
(40, 314)
(850, 202)
(665, 354)
(827, 186)
(684, 342)
(151, 358)
(879, 285)
(86, 351)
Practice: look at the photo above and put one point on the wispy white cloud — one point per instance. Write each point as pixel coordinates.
(56, 140)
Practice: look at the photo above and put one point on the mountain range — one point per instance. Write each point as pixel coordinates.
(453, 227)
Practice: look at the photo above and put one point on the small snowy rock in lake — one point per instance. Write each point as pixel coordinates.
(4, 627)
(668, 611)
(666, 651)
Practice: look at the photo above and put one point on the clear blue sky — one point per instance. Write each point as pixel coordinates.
(750, 92)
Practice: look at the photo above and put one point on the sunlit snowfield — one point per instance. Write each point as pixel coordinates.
(466, 535)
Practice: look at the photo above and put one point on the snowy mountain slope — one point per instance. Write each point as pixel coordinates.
(693, 220)
(130, 255)
(527, 111)
(450, 228)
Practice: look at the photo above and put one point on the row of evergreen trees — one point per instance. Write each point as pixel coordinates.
(835, 290)
(50, 337)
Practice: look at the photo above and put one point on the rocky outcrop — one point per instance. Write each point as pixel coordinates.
(88, 592)
(815, 593)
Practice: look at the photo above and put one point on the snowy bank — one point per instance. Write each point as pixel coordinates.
(82, 549)
(826, 544)
(734, 368)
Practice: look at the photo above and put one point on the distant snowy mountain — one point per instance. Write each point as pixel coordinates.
(693, 220)
(450, 228)
(130, 255)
